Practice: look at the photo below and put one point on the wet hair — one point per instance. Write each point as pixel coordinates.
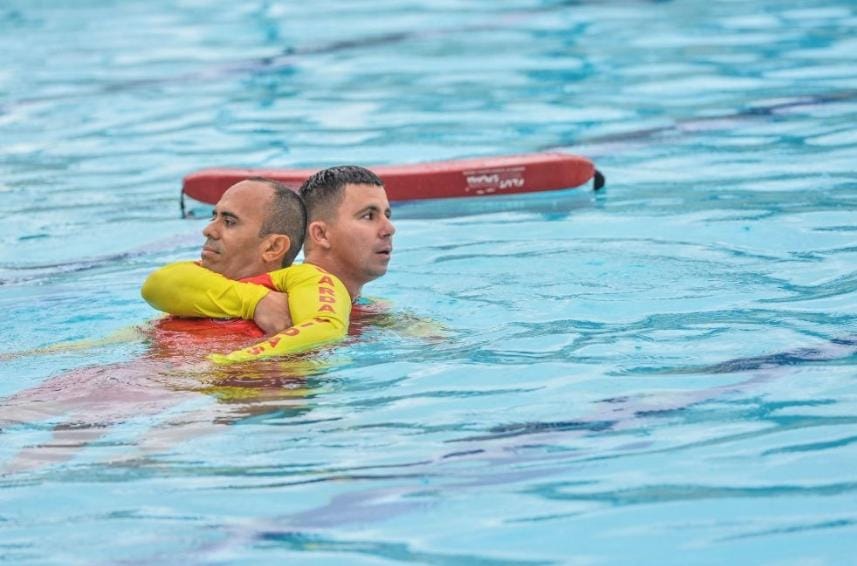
(286, 215)
(323, 191)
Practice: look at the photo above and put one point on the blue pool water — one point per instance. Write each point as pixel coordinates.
(660, 373)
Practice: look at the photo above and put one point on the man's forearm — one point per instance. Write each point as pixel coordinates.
(187, 289)
(320, 307)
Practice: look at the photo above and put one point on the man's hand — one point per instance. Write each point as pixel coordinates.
(272, 313)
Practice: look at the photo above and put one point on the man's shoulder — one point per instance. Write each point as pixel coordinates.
(304, 273)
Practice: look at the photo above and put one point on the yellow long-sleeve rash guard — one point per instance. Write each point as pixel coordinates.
(319, 304)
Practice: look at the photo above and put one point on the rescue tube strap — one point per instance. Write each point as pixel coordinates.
(598, 180)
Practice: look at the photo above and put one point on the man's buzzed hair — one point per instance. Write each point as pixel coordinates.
(323, 191)
(287, 215)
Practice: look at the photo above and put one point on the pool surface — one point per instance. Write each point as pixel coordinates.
(663, 372)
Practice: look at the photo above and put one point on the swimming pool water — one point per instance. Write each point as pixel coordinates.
(663, 372)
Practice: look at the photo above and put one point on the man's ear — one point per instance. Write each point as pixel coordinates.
(317, 234)
(276, 247)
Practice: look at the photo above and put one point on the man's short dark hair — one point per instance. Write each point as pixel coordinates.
(287, 215)
(323, 191)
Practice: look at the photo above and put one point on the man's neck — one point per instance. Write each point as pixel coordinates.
(259, 269)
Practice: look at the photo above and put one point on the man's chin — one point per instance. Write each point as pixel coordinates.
(211, 266)
(377, 271)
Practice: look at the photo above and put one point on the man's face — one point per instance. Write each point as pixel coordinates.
(361, 234)
(233, 246)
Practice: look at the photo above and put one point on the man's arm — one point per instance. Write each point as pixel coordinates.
(320, 307)
(187, 289)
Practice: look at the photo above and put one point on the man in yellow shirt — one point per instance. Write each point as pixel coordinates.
(348, 243)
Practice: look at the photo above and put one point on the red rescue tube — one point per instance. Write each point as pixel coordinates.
(534, 172)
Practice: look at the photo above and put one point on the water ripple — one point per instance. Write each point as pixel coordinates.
(658, 494)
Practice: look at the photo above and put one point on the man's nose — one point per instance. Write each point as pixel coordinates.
(210, 230)
(388, 228)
